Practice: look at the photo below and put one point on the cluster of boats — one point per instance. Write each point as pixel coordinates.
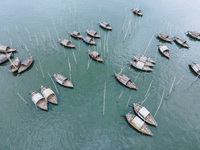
(87, 40)
(138, 122)
(16, 65)
(41, 100)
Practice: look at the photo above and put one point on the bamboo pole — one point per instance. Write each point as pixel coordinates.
(42, 35)
(74, 58)
(10, 42)
(16, 28)
(195, 79)
(145, 98)
(128, 101)
(127, 28)
(22, 98)
(160, 103)
(148, 89)
(36, 40)
(53, 83)
(137, 76)
(69, 68)
(28, 33)
(40, 67)
(172, 86)
(119, 96)
(89, 61)
(179, 81)
(104, 102)
(149, 44)
(55, 28)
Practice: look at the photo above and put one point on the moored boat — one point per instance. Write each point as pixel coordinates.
(62, 80)
(89, 40)
(164, 50)
(6, 49)
(93, 33)
(25, 64)
(67, 43)
(195, 67)
(181, 42)
(140, 65)
(76, 34)
(39, 100)
(142, 59)
(14, 66)
(146, 59)
(105, 25)
(164, 37)
(5, 57)
(138, 124)
(144, 114)
(96, 56)
(49, 95)
(126, 81)
(194, 34)
(137, 11)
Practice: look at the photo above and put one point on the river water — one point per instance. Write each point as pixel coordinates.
(80, 121)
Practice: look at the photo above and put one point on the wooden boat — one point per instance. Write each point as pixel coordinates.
(6, 49)
(181, 42)
(63, 80)
(96, 56)
(126, 81)
(164, 37)
(25, 64)
(49, 95)
(93, 34)
(14, 66)
(76, 34)
(146, 62)
(39, 100)
(141, 66)
(164, 50)
(137, 11)
(144, 114)
(194, 34)
(89, 41)
(67, 43)
(105, 25)
(195, 67)
(5, 57)
(138, 124)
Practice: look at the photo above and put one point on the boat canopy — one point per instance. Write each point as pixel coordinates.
(95, 54)
(47, 93)
(26, 62)
(196, 33)
(15, 63)
(87, 39)
(36, 98)
(137, 9)
(65, 41)
(140, 64)
(60, 79)
(3, 57)
(163, 48)
(195, 68)
(92, 32)
(124, 79)
(144, 112)
(164, 35)
(75, 33)
(4, 48)
(138, 123)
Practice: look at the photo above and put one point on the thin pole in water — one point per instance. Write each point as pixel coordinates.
(104, 102)
(22, 98)
(119, 96)
(53, 83)
(160, 103)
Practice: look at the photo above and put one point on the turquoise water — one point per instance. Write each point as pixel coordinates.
(78, 121)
